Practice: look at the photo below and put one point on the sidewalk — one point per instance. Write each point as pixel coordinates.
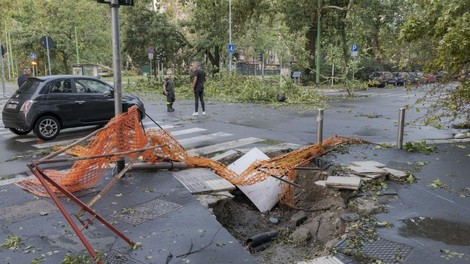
(168, 222)
(430, 219)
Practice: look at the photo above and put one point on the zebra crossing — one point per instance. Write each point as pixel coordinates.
(196, 140)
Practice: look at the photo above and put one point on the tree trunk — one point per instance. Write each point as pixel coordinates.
(214, 59)
(310, 46)
(376, 44)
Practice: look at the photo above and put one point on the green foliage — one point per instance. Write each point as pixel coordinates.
(437, 184)
(12, 243)
(420, 147)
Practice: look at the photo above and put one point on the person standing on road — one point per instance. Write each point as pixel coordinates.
(23, 77)
(169, 91)
(199, 77)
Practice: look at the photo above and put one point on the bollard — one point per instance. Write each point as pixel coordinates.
(320, 126)
(401, 128)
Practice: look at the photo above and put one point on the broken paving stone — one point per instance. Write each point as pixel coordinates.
(322, 260)
(371, 169)
(395, 174)
(343, 182)
(321, 183)
(368, 163)
(298, 218)
(349, 217)
(300, 235)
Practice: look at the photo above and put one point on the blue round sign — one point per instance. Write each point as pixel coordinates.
(32, 55)
(355, 47)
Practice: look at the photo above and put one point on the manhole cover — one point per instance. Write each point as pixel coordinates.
(115, 257)
(383, 249)
(147, 211)
(26, 210)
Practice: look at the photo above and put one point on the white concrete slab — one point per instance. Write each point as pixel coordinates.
(264, 195)
(322, 260)
(343, 182)
(224, 146)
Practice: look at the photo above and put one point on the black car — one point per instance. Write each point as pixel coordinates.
(381, 78)
(51, 103)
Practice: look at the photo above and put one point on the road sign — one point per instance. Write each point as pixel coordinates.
(150, 50)
(32, 55)
(231, 48)
(354, 49)
(47, 42)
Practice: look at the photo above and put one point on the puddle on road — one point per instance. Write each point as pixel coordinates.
(452, 233)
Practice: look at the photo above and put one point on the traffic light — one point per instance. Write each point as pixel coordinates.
(260, 56)
(3, 51)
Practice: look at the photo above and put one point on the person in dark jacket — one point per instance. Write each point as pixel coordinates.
(198, 79)
(22, 78)
(169, 91)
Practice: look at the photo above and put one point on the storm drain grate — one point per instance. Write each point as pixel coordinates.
(147, 211)
(115, 257)
(383, 249)
(26, 210)
(201, 180)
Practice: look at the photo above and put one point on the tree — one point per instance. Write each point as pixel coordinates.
(445, 27)
(60, 20)
(144, 28)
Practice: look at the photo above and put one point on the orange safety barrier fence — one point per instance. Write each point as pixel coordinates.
(87, 173)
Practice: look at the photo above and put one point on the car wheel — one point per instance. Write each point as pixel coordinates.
(20, 132)
(47, 128)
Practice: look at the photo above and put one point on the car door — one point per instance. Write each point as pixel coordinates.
(94, 100)
(59, 98)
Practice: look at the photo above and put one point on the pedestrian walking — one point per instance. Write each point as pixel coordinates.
(23, 77)
(198, 79)
(169, 91)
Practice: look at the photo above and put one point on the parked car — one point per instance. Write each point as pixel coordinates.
(48, 104)
(401, 78)
(417, 77)
(381, 78)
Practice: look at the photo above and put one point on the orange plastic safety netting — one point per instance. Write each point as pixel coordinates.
(124, 133)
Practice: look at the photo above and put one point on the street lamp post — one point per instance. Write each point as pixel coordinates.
(230, 35)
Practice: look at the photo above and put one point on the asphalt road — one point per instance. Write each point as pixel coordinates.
(372, 115)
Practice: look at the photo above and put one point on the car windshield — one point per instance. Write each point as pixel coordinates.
(30, 86)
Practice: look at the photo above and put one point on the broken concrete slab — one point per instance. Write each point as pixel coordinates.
(264, 195)
(370, 176)
(343, 182)
(365, 170)
(202, 180)
(395, 174)
(298, 218)
(368, 163)
(321, 183)
(231, 154)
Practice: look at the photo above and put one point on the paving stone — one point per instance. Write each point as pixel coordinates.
(343, 182)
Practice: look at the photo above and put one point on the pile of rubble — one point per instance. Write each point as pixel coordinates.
(360, 171)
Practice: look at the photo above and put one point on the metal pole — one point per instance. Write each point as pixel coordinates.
(317, 79)
(320, 126)
(230, 35)
(48, 55)
(401, 128)
(76, 46)
(117, 70)
(8, 50)
(3, 72)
